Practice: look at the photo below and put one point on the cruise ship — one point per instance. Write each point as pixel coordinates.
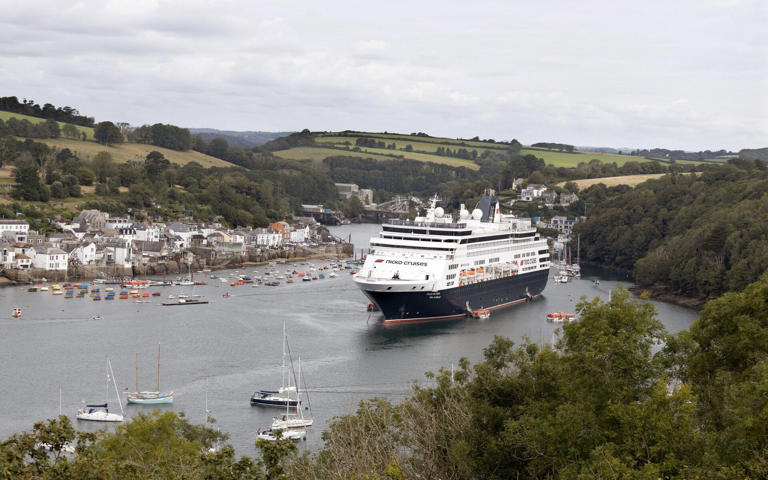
(437, 267)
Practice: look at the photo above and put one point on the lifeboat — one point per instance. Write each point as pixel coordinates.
(480, 270)
(145, 294)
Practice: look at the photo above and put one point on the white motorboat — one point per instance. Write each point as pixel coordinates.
(100, 412)
(272, 435)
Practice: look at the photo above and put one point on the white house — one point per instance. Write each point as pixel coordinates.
(117, 252)
(184, 231)
(268, 238)
(19, 227)
(147, 233)
(85, 254)
(50, 258)
(300, 235)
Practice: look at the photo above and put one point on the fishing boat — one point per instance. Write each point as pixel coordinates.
(149, 397)
(286, 395)
(100, 412)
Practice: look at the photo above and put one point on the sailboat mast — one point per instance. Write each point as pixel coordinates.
(282, 372)
(137, 372)
(206, 401)
(298, 388)
(114, 382)
(578, 249)
(106, 390)
(158, 367)
(309, 403)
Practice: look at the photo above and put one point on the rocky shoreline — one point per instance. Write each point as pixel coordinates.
(664, 294)
(657, 292)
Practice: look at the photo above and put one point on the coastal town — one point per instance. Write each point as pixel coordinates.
(95, 245)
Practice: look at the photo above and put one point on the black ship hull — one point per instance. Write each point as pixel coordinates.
(404, 307)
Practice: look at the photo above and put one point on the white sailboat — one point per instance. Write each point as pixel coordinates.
(294, 418)
(149, 397)
(100, 412)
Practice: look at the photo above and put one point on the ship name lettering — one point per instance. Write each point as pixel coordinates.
(406, 262)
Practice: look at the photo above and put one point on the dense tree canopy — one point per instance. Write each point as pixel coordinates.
(700, 235)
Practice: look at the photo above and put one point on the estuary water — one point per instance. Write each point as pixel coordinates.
(234, 345)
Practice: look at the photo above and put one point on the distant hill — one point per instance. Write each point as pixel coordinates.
(238, 139)
(448, 151)
(754, 154)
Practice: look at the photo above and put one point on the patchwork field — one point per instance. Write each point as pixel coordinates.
(425, 147)
(318, 154)
(125, 152)
(631, 180)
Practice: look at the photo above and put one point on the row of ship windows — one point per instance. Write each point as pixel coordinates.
(496, 243)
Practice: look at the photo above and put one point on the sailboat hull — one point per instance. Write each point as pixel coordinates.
(269, 398)
(150, 400)
(99, 416)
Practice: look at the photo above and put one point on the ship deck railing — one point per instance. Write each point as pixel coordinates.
(412, 223)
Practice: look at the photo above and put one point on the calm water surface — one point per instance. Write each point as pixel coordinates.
(236, 344)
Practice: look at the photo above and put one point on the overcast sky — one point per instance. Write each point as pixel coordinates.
(674, 74)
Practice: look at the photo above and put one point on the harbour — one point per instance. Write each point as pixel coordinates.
(235, 343)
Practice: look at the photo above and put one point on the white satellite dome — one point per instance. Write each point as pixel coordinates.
(477, 214)
(439, 212)
(464, 214)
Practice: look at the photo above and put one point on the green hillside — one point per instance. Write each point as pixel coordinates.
(4, 116)
(124, 152)
(425, 149)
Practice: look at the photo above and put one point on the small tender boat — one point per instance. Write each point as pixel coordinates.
(16, 312)
(560, 317)
(482, 313)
